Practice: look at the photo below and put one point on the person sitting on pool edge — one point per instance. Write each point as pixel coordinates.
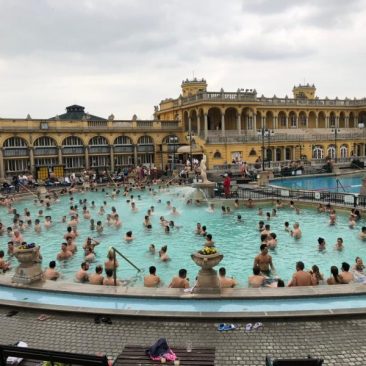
(226, 282)
(97, 277)
(109, 280)
(152, 280)
(346, 275)
(256, 279)
(300, 277)
(180, 281)
(50, 273)
(82, 275)
(264, 261)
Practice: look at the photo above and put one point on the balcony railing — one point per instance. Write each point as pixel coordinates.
(68, 150)
(145, 148)
(19, 151)
(123, 149)
(38, 151)
(7, 125)
(252, 97)
(99, 149)
(231, 136)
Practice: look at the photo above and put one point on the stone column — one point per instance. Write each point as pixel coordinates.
(263, 122)
(327, 122)
(284, 153)
(86, 157)
(254, 126)
(59, 153)
(337, 122)
(275, 122)
(223, 124)
(356, 121)
(189, 124)
(2, 173)
(286, 121)
(238, 123)
(205, 125)
(135, 157)
(198, 124)
(316, 122)
(112, 158)
(346, 122)
(31, 158)
(306, 121)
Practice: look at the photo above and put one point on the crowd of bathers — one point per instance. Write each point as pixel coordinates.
(264, 272)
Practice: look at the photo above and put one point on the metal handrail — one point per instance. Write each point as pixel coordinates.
(114, 260)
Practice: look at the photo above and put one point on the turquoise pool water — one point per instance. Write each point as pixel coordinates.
(347, 183)
(239, 242)
(167, 305)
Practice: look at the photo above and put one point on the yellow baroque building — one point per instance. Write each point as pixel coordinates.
(225, 126)
(243, 125)
(77, 141)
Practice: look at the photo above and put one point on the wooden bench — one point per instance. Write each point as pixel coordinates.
(33, 356)
(135, 355)
(309, 361)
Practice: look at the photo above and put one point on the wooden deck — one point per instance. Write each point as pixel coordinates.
(135, 355)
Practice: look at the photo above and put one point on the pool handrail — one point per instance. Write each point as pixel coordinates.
(114, 260)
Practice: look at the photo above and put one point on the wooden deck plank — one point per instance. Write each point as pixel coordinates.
(135, 355)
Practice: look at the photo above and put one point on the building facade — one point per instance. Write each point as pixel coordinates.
(226, 126)
(241, 124)
(80, 141)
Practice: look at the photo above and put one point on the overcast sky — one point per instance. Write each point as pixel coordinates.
(125, 56)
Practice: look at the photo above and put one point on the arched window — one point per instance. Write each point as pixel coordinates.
(217, 155)
(331, 152)
(72, 141)
(44, 141)
(98, 141)
(318, 152)
(72, 145)
(344, 151)
(45, 145)
(122, 140)
(15, 142)
(145, 150)
(123, 144)
(171, 139)
(332, 120)
(145, 140)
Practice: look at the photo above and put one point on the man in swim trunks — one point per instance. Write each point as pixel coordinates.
(65, 253)
(300, 277)
(180, 281)
(264, 261)
(152, 280)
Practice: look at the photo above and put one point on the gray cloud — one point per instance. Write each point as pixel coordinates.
(125, 56)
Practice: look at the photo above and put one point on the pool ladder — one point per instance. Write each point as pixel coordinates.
(116, 251)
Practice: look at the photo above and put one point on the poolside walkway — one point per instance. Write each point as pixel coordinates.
(338, 341)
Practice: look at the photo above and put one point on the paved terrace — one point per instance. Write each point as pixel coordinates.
(338, 341)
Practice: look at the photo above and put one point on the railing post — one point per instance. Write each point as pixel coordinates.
(114, 270)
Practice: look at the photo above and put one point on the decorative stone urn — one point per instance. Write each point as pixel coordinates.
(29, 269)
(207, 281)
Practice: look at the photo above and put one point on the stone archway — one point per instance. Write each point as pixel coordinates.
(214, 119)
(321, 120)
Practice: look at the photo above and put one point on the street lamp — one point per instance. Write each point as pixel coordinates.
(175, 140)
(265, 132)
(263, 167)
(336, 131)
(300, 147)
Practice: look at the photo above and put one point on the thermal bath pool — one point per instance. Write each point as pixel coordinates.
(239, 242)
